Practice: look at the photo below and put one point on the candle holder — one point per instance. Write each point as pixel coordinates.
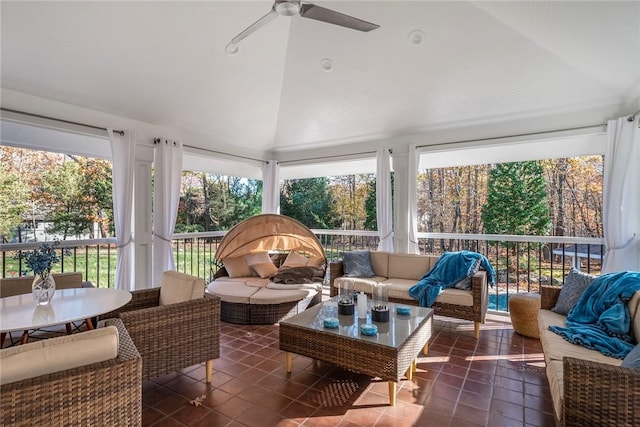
(380, 308)
(346, 304)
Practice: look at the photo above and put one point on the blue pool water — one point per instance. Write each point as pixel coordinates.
(502, 302)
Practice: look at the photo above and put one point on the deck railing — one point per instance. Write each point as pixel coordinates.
(522, 263)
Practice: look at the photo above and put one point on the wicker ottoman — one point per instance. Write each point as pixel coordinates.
(524, 308)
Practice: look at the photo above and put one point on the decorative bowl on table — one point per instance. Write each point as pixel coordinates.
(331, 322)
(403, 309)
(368, 329)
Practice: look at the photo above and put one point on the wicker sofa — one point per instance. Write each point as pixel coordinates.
(107, 393)
(401, 271)
(587, 387)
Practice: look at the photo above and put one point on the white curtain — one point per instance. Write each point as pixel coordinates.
(383, 200)
(413, 202)
(621, 194)
(123, 148)
(168, 174)
(271, 187)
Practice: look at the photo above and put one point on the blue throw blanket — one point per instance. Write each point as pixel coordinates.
(450, 268)
(600, 320)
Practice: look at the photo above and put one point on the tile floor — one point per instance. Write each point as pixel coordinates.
(498, 380)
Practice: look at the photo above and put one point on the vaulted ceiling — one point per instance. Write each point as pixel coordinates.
(491, 68)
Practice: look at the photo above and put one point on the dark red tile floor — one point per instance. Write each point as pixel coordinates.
(498, 380)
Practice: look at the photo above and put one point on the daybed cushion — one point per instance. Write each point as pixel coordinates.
(279, 296)
(265, 269)
(57, 354)
(179, 287)
(237, 267)
(232, 291)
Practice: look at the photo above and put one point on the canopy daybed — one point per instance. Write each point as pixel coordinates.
(273, 269)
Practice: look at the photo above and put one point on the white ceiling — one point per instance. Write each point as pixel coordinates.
(485, 69)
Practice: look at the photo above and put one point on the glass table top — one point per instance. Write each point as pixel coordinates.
(391, 334)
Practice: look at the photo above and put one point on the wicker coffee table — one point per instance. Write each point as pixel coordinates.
(389, 355)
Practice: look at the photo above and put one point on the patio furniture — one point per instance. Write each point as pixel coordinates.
(106, 393)
(390, 354)
(587, 387)
(20, 313)
(173, 336)
(399, 272)
(523, 309)
(247, 293)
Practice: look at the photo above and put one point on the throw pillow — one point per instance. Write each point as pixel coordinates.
(574, 286)
(632, 360)
(294, 259)
(265, 269)
(179, 287)
(237, 267)
(357, 264)
(257, 258)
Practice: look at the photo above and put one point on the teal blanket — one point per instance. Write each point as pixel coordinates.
(600, 320)
(450, 268)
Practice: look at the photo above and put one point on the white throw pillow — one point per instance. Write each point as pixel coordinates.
(237, 267)
(294, 259)
(179, 287)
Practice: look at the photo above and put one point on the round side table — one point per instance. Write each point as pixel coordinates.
(524, 308)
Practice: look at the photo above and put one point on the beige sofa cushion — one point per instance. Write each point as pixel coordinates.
(360, 284)
(179, 287)
(409, 266)
(455, 297)
(57, 354)
(279, 296)
(555, 376)
(380, 263)
(555, 347)
(232, 291)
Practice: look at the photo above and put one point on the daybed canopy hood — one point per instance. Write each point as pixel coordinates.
(268, 232)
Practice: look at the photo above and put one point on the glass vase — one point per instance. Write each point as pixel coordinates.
(43, 288)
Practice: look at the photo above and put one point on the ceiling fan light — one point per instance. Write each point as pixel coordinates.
(231, 49)
(288, 8)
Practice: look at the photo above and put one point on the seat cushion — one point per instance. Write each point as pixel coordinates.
(358, 284)
(57, 354)
(279, 296)
(555, 377)
(232, 291)
(179, 287)
(455, 297)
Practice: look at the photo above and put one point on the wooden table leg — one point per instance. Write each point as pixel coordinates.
(89, 324)
(25, 337)
(425, 349)
(3, 336)
(288, 357)
(209, 370)
(392, 393)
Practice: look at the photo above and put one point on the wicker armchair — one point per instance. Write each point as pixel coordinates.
(595, 393)
(108, 393)
(172, 337)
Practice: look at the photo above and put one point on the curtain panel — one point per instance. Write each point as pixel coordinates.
(168, 175)
(412, 173)
(271, 187)
(123, 149)
(621, 194)
(383, 200)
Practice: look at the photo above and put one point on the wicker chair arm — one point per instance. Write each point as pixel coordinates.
(184, 334)
(549, 296)
(600, 394)
(480, 293)
(140, 299)
(103, 393)
(336, 269)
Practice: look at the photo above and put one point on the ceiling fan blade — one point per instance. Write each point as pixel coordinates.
(255, 26)
(332, 17)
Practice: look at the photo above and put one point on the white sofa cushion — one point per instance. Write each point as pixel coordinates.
(57, 354)
(179, 287)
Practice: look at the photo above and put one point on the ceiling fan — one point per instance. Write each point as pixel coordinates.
(305, 10)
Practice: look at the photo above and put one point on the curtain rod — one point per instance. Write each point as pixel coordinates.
(40, 116)
(506, 136)
(330, 157)
(225, 154)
